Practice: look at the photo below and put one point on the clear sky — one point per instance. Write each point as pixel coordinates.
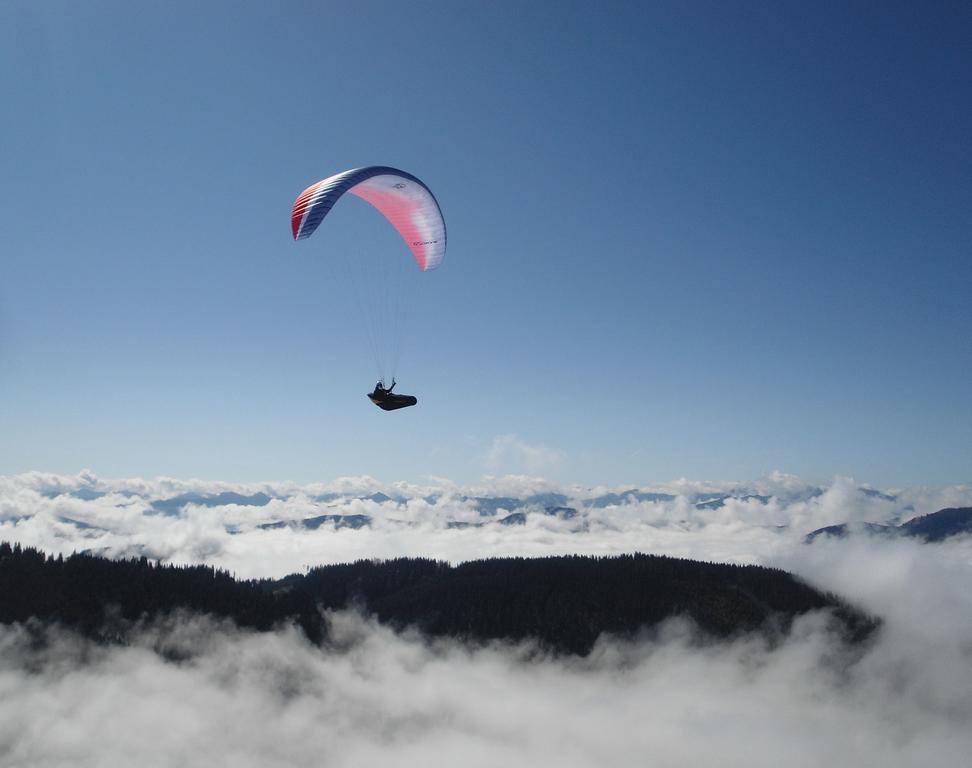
(685, 239)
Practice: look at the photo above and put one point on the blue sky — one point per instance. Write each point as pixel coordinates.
(698, 239)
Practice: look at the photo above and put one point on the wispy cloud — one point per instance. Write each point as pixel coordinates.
(510, 454)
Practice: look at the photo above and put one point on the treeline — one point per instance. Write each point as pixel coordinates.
(102, 598)
(564, 603)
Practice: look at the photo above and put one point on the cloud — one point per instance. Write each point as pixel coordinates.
(379, 697)
(223, 524)
(509, 454)
(376, 697)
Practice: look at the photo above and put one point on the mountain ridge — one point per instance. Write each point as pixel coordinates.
(933, 527)
(562, 603)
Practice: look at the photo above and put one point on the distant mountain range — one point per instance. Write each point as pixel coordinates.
(936, 526)
(720, 501)
(504, 510)
(313, 523)
(356, 509)
(175, 504)
(486, 505)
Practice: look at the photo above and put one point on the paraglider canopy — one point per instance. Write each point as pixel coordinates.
(404, 200)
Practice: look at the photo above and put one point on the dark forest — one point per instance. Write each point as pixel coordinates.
(561, 603)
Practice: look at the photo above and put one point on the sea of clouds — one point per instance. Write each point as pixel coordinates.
(379, 697)
(258, 530)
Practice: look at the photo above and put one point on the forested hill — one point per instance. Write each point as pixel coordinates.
(562, 602)
(100, 597)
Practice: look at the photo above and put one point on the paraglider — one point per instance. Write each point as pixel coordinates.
(407, 204)
(385, 400)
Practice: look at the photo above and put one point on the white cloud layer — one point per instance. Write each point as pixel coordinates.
(376, 697)
(224, 524)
